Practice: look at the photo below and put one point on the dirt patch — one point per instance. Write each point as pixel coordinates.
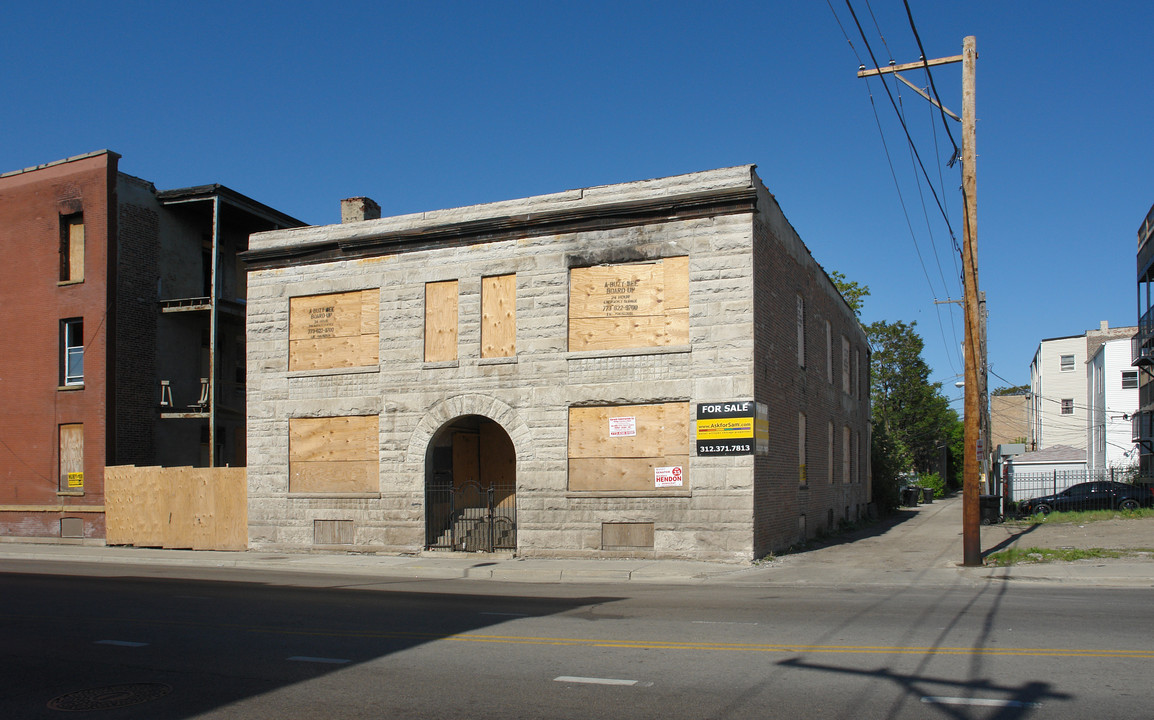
(1115, 534)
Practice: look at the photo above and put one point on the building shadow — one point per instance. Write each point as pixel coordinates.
(201, 645)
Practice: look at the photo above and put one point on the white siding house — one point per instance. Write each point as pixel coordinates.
(1057, 408)
(1112, 400)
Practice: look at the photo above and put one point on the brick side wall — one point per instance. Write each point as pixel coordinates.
(787, 510)
(137, 387)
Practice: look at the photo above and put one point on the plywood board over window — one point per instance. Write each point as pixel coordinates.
(334, 454)
(629, 305)
(621, 447)
(499, 316)
(72, 457)
(441, 321)
(334, 331)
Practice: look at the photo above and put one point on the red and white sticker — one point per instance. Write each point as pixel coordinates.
(667, 477)
(622, 426)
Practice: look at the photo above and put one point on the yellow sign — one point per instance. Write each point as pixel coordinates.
(725, 428)
(75, 479)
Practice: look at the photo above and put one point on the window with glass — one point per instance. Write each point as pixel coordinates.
(1067, 362)
(72, 351)
(1067, 406)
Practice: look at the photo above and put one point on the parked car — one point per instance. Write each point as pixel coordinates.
(1103, 495)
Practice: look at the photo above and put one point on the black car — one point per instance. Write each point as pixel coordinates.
(1103, 495)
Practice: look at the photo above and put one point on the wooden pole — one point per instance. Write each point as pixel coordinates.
(971, 511)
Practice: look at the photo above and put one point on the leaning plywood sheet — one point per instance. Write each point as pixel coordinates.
(334, 331)
(230, 509)
(118, 505)
(334, 454)
(199, 508)
(629, 305)
(181, 507)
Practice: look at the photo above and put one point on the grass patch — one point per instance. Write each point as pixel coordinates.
(1087, 516)
(1035, 555)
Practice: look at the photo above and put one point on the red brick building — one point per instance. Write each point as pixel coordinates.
(123, 317)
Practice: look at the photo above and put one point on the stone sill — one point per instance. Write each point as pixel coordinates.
(440, 365)
(70, 388)
(628, 352)
(497, 361)
(630, 494)
(334, 496)
(362, 370)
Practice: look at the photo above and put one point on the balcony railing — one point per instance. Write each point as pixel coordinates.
(1142, 347)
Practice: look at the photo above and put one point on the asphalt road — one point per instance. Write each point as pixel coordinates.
(225, 643)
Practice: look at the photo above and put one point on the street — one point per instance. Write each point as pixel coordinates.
(227, 643)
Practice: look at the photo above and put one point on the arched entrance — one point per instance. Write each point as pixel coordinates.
(471, 487)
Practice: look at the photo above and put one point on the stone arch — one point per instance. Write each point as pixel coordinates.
(445, 410)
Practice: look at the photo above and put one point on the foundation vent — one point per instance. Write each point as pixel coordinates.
(332, 532)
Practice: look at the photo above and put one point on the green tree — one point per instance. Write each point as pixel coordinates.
(886, 466)
(1011, 390)
(853, 293)
(910, 408)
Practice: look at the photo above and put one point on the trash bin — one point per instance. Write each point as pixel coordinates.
(910, 496)
(927, 495)
(991, 508)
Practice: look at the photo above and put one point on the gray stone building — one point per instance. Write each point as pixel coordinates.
(653, 369)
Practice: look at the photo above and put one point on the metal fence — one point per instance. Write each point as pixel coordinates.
(470, 517)
(1023, 486)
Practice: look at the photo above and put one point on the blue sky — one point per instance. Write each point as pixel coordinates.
(429, 105)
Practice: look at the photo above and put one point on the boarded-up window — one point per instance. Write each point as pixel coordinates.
(800, 331)
(846, 454)
(629, 447)
(829, 454)
(72, 248)
(801, 450)
(630, 305)
(441, 321)
(72, 457)
(333, 454)
(499, 316)
(334, 331)
(845, 365)
(828, 352)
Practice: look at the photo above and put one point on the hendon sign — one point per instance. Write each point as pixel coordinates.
(737, 427)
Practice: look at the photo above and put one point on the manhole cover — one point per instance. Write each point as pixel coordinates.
(106, 698)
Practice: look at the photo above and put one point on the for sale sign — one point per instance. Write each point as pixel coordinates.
(737, 427)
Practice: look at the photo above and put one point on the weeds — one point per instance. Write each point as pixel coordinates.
(1087, 516)
(1014, 556)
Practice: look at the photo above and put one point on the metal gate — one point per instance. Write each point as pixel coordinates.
(470, 517)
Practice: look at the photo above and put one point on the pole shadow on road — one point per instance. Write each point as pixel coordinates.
(1011, 701)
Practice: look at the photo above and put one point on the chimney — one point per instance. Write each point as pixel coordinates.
(1103, 325)
(359, 208)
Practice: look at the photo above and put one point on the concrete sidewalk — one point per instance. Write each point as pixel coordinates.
(921, 546)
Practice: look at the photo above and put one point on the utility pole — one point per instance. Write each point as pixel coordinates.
(975, 349)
